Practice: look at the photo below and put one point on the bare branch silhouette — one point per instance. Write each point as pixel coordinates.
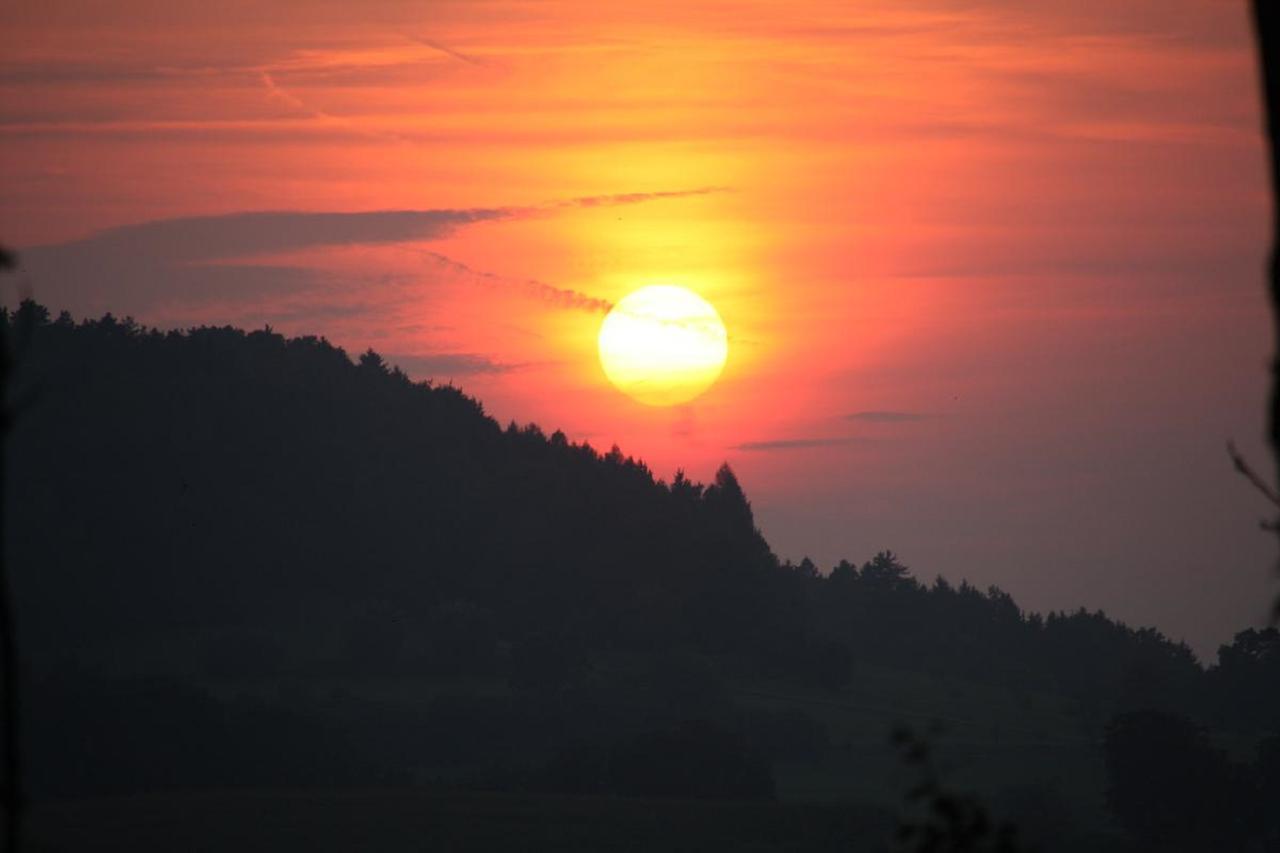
(1245, 470)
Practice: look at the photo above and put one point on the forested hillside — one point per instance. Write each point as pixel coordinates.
(224, 539)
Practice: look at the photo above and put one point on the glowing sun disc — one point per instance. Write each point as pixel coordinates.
(663, 345)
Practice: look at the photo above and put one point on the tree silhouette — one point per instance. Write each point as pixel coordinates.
(12, 794)
(1172, 789)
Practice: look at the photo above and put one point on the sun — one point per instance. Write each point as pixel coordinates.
(663, 345)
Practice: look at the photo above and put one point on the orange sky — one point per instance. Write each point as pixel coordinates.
(991, 270)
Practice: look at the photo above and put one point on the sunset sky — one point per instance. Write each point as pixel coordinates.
(991, 271)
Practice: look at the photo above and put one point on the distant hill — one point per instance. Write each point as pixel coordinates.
(223, 539)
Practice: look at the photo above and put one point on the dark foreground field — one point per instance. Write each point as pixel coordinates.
(278, 821)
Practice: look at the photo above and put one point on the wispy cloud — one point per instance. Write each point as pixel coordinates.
(193, 239)
(196, 238)
(130, 267)
(279, 93)
(561, 296)
(801, 443)
(448, 365)
(873, 416)
(636, 198)
(888, 417)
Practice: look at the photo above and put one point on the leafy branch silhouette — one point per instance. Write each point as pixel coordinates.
(952, 822)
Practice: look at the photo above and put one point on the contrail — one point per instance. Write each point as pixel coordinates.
(636, 198)
(561, 296)
(445, 49)
(275, 90)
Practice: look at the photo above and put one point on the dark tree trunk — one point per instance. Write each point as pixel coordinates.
(1266, 16)
(1266, 19)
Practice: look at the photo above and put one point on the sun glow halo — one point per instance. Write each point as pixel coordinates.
(663, 345)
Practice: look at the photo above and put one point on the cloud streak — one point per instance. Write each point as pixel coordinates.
(562, 297)
(446, 50)
(196, 258)
(201, 238)
(800, 443)
(448, 365)
(636, 198)
(870, 416)
(195, 239)
(278, 93)
(888, 417)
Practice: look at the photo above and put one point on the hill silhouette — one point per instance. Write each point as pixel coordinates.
(262, 471)
(246, 560)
